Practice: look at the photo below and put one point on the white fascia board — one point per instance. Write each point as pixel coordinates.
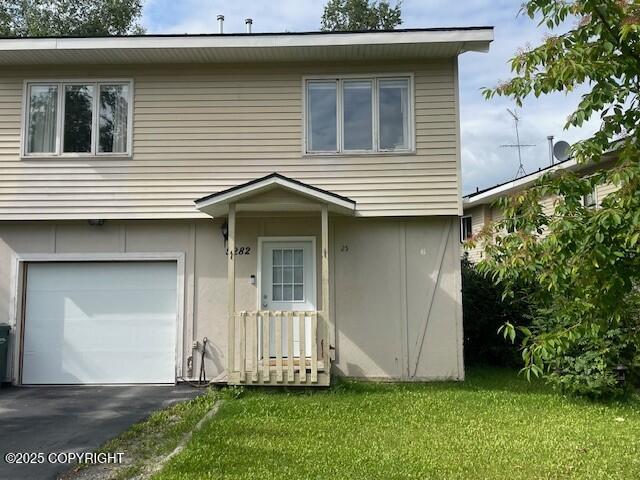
(514, 186)
(222, 201)
(482, 35)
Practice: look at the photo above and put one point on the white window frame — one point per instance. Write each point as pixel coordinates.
(462, 219)
(594, 195)
(374, 78)
(61, 84)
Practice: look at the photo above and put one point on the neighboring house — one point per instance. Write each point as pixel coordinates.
(480, 209)
(293, 198)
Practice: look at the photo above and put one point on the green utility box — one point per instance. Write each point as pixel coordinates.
(4, 347)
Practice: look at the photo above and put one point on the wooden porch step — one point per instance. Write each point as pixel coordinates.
(324, 380)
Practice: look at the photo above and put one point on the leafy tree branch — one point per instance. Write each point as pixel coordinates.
(83, 18)
(581, 264)
(356, 15)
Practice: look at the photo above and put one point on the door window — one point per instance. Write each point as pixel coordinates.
(288, 275)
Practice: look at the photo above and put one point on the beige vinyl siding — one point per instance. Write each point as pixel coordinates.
(200, 129)
(548, 204)
(480, 216)
(604, 190)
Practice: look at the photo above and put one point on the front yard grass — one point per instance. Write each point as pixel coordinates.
(493, 426)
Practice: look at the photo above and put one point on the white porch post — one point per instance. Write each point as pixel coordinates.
(325, 284)
(231, 287)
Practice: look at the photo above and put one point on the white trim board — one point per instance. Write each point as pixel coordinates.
(414, 44)
(219, 204)
(306, 39)
(492, 194)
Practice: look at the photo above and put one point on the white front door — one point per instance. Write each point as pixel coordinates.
(288, 274)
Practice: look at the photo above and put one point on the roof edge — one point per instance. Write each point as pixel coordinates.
(257, 34)
(268, 177)
(479, 37)
(488, 194)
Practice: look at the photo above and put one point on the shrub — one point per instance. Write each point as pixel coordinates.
(484, 312)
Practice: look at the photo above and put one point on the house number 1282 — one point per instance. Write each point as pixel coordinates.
(240, 251)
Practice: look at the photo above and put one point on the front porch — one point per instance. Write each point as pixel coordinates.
(287, 339)
(264, 359)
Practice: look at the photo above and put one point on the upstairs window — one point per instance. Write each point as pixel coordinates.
(358, 115)
(78, 118)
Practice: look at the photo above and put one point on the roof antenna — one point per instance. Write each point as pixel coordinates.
(521, 172)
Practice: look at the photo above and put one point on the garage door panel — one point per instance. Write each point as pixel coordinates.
(99, 303)
(76, 367)
(100, 323)
(78, 276)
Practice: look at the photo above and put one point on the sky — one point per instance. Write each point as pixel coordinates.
(485, 125)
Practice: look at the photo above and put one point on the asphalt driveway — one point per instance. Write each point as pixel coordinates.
(72, 419)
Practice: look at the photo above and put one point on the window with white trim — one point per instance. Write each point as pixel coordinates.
(466, 228)
(359, 115)
(589, 200)
(78, 118)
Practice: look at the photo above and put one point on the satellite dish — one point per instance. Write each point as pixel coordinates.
(562, 151)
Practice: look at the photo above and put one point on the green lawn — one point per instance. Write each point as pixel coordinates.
(493, 426)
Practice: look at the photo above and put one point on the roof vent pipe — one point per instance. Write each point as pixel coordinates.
(550, 139)
(248, 22)
(221, 24)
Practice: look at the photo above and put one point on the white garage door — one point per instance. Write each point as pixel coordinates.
(98, 322)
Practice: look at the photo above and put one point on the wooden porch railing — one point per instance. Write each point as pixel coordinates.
(267, 351)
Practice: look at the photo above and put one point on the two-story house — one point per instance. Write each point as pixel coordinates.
(291, 198)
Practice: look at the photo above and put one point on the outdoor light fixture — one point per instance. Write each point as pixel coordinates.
(224, 229)
(621, 372)
(96, 222)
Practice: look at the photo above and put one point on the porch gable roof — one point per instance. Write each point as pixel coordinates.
(217, 204)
